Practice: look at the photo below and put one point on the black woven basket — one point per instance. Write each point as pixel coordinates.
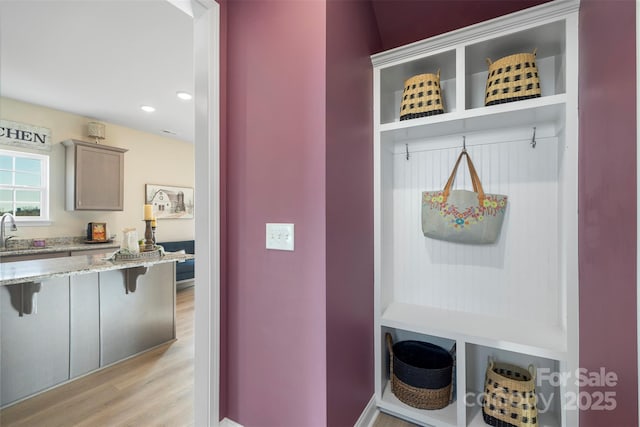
(422, 364)
(421, 373)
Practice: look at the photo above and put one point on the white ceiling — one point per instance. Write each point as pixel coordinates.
(101, 59)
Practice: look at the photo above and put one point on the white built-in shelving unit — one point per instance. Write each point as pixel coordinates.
(515, 300)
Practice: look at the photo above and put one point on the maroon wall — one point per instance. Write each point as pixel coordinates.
(405, 21)
(276, 173)
(351, 37)
(607, 204)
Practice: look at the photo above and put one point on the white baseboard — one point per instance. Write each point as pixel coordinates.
(366, 419)
(226, 422)
(369, 415)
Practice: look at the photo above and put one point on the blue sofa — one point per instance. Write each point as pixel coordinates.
(184, 270)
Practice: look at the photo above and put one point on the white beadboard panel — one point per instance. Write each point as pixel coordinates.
(516, 278)
(387, 245)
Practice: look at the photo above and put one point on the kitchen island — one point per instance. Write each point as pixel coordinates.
(62, 318)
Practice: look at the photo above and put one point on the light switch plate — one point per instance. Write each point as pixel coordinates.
(280, 236)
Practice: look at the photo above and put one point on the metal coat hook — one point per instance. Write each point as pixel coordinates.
(533, 138)
(464, 143)
(406, 147)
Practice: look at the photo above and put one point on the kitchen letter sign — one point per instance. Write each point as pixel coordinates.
(25, 136)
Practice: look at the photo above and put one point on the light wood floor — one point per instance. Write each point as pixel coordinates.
(385, 420)
(153, 389)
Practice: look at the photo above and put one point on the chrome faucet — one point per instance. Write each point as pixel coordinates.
(3, 240)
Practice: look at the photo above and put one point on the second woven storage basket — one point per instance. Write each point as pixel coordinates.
(421, 96)
(420, 373)
(512, 78)
(510, 396)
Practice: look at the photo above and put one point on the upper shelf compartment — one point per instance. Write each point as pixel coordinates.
(461, 56)
(548, 40)
(392, 81)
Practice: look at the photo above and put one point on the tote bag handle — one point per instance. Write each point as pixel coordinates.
(475, 179)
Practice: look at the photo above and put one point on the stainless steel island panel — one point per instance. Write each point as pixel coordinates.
(136, 321)
(34, 348)
(85, 324)
(85, 318)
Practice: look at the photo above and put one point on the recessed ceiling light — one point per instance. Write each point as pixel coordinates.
(184, 95)
(147, 108)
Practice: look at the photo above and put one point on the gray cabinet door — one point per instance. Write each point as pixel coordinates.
(99, 183)
(85, 324)
(34, 348)
(136, 321)
(95, 176)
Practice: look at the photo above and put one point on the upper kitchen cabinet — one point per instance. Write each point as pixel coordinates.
(94, 176)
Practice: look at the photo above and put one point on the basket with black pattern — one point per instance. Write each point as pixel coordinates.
(512, 78)
(421, 96)
(509, 396)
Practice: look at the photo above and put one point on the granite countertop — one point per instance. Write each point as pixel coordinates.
(38, 270)
(66, 247)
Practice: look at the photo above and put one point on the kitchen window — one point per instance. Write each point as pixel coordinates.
(24, 186)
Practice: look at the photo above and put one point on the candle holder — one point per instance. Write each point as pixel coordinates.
(153, 235)
(149, 244)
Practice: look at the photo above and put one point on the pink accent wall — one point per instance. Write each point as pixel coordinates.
(607, 204)
(299, 325)
(276, 316)
(351, 37)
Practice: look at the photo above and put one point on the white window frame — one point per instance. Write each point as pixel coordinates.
(44, 188)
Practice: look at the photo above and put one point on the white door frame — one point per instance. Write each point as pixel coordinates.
(638, 194)
(207, 211)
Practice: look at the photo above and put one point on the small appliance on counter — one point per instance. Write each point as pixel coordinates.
(97, 232)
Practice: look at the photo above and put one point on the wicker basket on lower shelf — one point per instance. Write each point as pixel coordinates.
(510, 396)
(156, 253)
(421, 373)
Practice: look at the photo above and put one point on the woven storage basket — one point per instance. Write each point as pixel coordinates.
(510, 396)
(422, 96)
(512, 78)
(421, 373)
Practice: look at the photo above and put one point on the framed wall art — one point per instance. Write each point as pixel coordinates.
(170, 202)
